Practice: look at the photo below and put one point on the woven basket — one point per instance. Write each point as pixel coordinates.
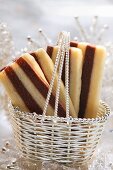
(65, 141)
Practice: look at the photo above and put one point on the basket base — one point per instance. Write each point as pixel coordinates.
(41, 164)
(70, 163)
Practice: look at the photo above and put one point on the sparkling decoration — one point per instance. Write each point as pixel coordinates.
(41, 41)
(6, 53)
(6, 45)
(94, 35)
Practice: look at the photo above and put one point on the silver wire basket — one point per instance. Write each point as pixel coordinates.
(64, 141)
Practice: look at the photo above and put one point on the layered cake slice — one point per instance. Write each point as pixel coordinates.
(27, 86)
(75, 70)
(92, 73)
(47, 67)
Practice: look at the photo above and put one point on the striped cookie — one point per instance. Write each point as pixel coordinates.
(92, 73)
(75, 70)
(27, 86)
(47, 67)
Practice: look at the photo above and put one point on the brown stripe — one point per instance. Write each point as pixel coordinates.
(63, 71)
(24, 94)
(69, 63)
(73, 44)
(49, 51)
(39, 84)
(86, 78)
(36, 58)
(2, 69)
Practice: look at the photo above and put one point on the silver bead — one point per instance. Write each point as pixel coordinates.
(7, 144)
(4, 149)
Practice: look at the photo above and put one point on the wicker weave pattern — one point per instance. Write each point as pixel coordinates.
(63, 141)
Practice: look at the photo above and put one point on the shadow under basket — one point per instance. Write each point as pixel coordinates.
(71, 140)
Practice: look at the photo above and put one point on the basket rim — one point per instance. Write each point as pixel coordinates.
(34, 116)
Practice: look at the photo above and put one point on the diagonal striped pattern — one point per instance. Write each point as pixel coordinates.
(31, 86)
(22, 91)
(43, 60)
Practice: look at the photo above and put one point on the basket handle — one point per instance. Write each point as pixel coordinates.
(63, 52)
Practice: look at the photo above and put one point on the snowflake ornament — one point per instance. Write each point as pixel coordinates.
(6, 54)
(41, 41)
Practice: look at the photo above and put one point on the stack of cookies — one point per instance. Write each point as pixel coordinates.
(27, 80)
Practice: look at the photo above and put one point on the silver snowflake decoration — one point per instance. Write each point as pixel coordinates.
(6, 45)
(6, 53)
(41, 41)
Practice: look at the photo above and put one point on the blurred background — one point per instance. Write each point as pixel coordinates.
(25, 17)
